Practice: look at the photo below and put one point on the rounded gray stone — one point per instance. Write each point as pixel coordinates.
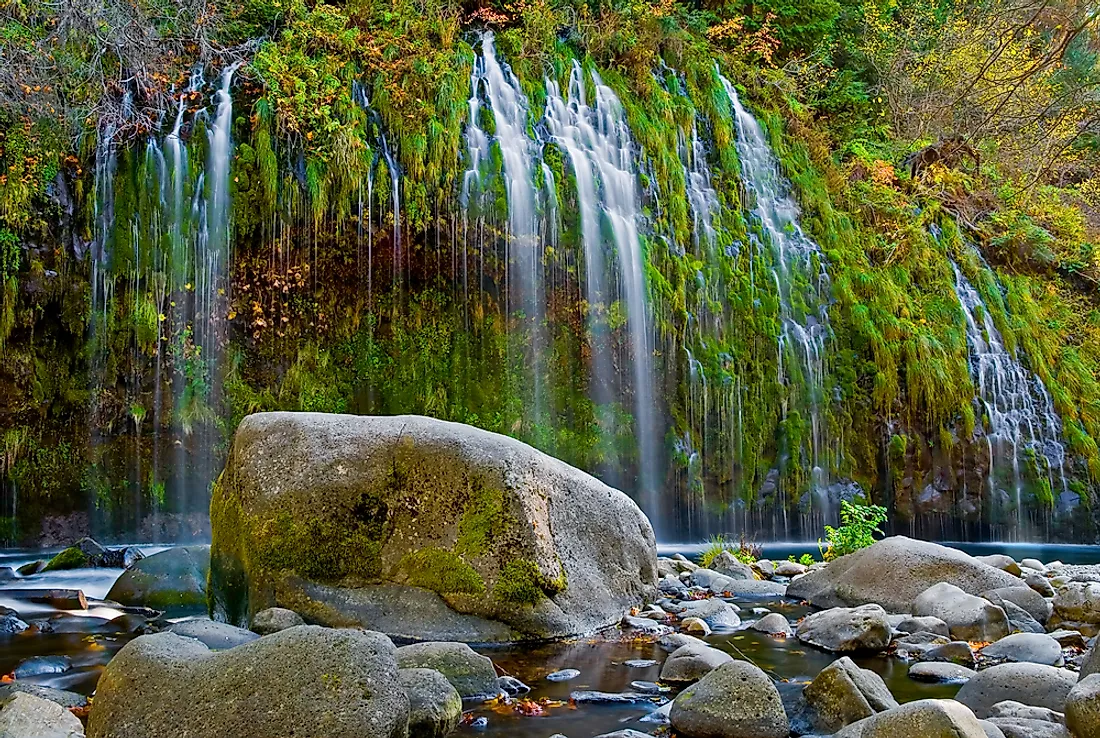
(173, 579)
(932, 671)
(736, 700)
(844, 630)
(924, 624)
(435, 706)
(925, 719)
(690, 663)
(1031, 684)
(843, 693)
(274, 619)
(1083, 707)
(1025, 597)
(214, 635)
(27, 716)
(774, 624)
(1029, 647)
(472, 674)
(968, 617)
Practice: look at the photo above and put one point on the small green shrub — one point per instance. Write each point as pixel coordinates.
(745, 550)
(859, 523)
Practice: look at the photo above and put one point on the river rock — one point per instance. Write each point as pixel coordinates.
(10, 624)
(726, 564)
(844, 630)
(1020, 620)
(435, 706)
(1004, 562)
(842, 694)
(1021, 728)
(924, 624)
(39, 665)
(670, 642)
(318, 682)
(216, 636)
(1032, 684)
(472, 674)
(690, 663)
(736, 700)
(892, 573)
(968, 617)
(717, 613)
(766, 567)
(711, 580)
(58, 696)
(1019, 711)
(1077, 605)
(169, 580)
(757, 588)
(924, 719)
(447, 531)
(932, 671)
(790, 569)
(1091, 664)
(773, 624)
(1039, 583)
(672, 586)
(1030, 647)
(27, 716)
(274, 619)
(1024, 597)
(1083, 708)
(696, 626)
(1034, 564)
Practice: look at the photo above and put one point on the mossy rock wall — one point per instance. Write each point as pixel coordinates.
(412, 525)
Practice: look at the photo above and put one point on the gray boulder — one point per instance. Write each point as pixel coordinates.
(991, 730)
(422, 529)
(717, 613)
(773, 624)
(1024, 597)
(1083, 708)
(1039, 583)
(690, 663)
(472, 674)
(1034, 564)
(790, 569)
(1032, 684)
(968, 617)
(925, 719)
(435, 706)
(1020, 620)
(59, 696)
(842, 694)
(726, 564)
(318, 682)
(756, 588)
(925, 624)
(1029, 647)
(1091, 664)
(844, 630)
(892, 572)
(736, 700)
(766, 567)
(274, 619)
(670, 642)
(173, 579)
(1014, 727)
(933, 671)
(1020, 711)
(27, 716)
(216, 636)
(1077, 604)
(1003, 562)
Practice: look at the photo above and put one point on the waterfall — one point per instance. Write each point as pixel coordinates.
(1020, 412)
(600, 149)
(801, 282)
(701, 195)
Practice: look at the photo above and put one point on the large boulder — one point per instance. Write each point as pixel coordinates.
(422, 529)
(27, 716)
(892, 572)
(1035, 685)
(968, 617)
(842, 694)
(1077, 604)
(472, 674)
(925, 719)
(1083, 708)
(310, 681)
(845, 630)
(172, 579)
(435, 706)
(736, 700)
(1033, 648)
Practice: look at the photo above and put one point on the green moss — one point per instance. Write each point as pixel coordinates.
(483, 519)
(324, 550)
(71, 558)
(441, 571)
(521, 583)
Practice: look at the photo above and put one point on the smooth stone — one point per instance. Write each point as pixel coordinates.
(671, 585)
(1032, 684)
(1039, 583)
(169, 580)
(472, 674)
(1025, 597)
(216, 636)
(1001, 561)
(1083, 708)
(892, 573)
(10, 624)
(727, 565)
(318, 682)
(1035, 564)
(766, 567)
(1069, 638)
(925, 719)
(1091, 663)
(640, 663)
(1077, 602)
(991, 730)
(563, 675)
(435, 706)
(717, 613)
(513, 687)
(923, 624)
(1021, 728)
(39, 665)
(736, 700)
(646, 687)
(968, 617)
(27, 716)
(597, 697)
(955, 652)
(29, 570)
(842, 694)
(711, 579)
(1020, 711)
(672, 641)
(933, 671)
(844, 630)
(60, 696)
(690, 663)
(1029, 647)
(644, 625)
(913, 646)
(274, 619)
(1020, 620)
(695, 626)
(758, 588)
(773, 624)
(790, 569)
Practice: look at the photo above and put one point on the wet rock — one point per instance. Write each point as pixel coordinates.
(1078, 603)
(893, 572)
(318, 682)
(933, 671)
(711, 580)
(608, 698)
(766, 567)
(512, 687)
(640, 663)
(1031, 684)
(39, 665)
(1020, 711)
(736, 700)
(1083, 707)
(1029, 647)
(726, 564)
(842, 694)
(1020, 619)
(790, 569)
(28, 570)
(10, 624)
(672, 641)
(647, 687)
(59, 696)
(1069, 638)
(691, 663)
(844, 630)
(717, 613)
(757, 588)
(773, 624)
(924, 719)
(579, 554)
(129, 623)
(1001, 561)
(925, 624)
(1024, 597)
(216, 636)
(955, 652)
(435, 707)
(627, 733)
(696, 626)
(672, 585)
(968, 617)
(644, 625)
(1091, 664)
(472, 674)
(1021, 728)
(27, 716)
(173, 579)
(1039, 583)
(563, 675)
(667, 568)
(274, 619)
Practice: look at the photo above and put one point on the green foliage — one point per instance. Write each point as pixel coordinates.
(441, 571)
(743, 550)
(521, 583)
(859, 524)
(70, 558)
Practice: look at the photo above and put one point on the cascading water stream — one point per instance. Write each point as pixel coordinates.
(801, 281)
(1019, 410)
